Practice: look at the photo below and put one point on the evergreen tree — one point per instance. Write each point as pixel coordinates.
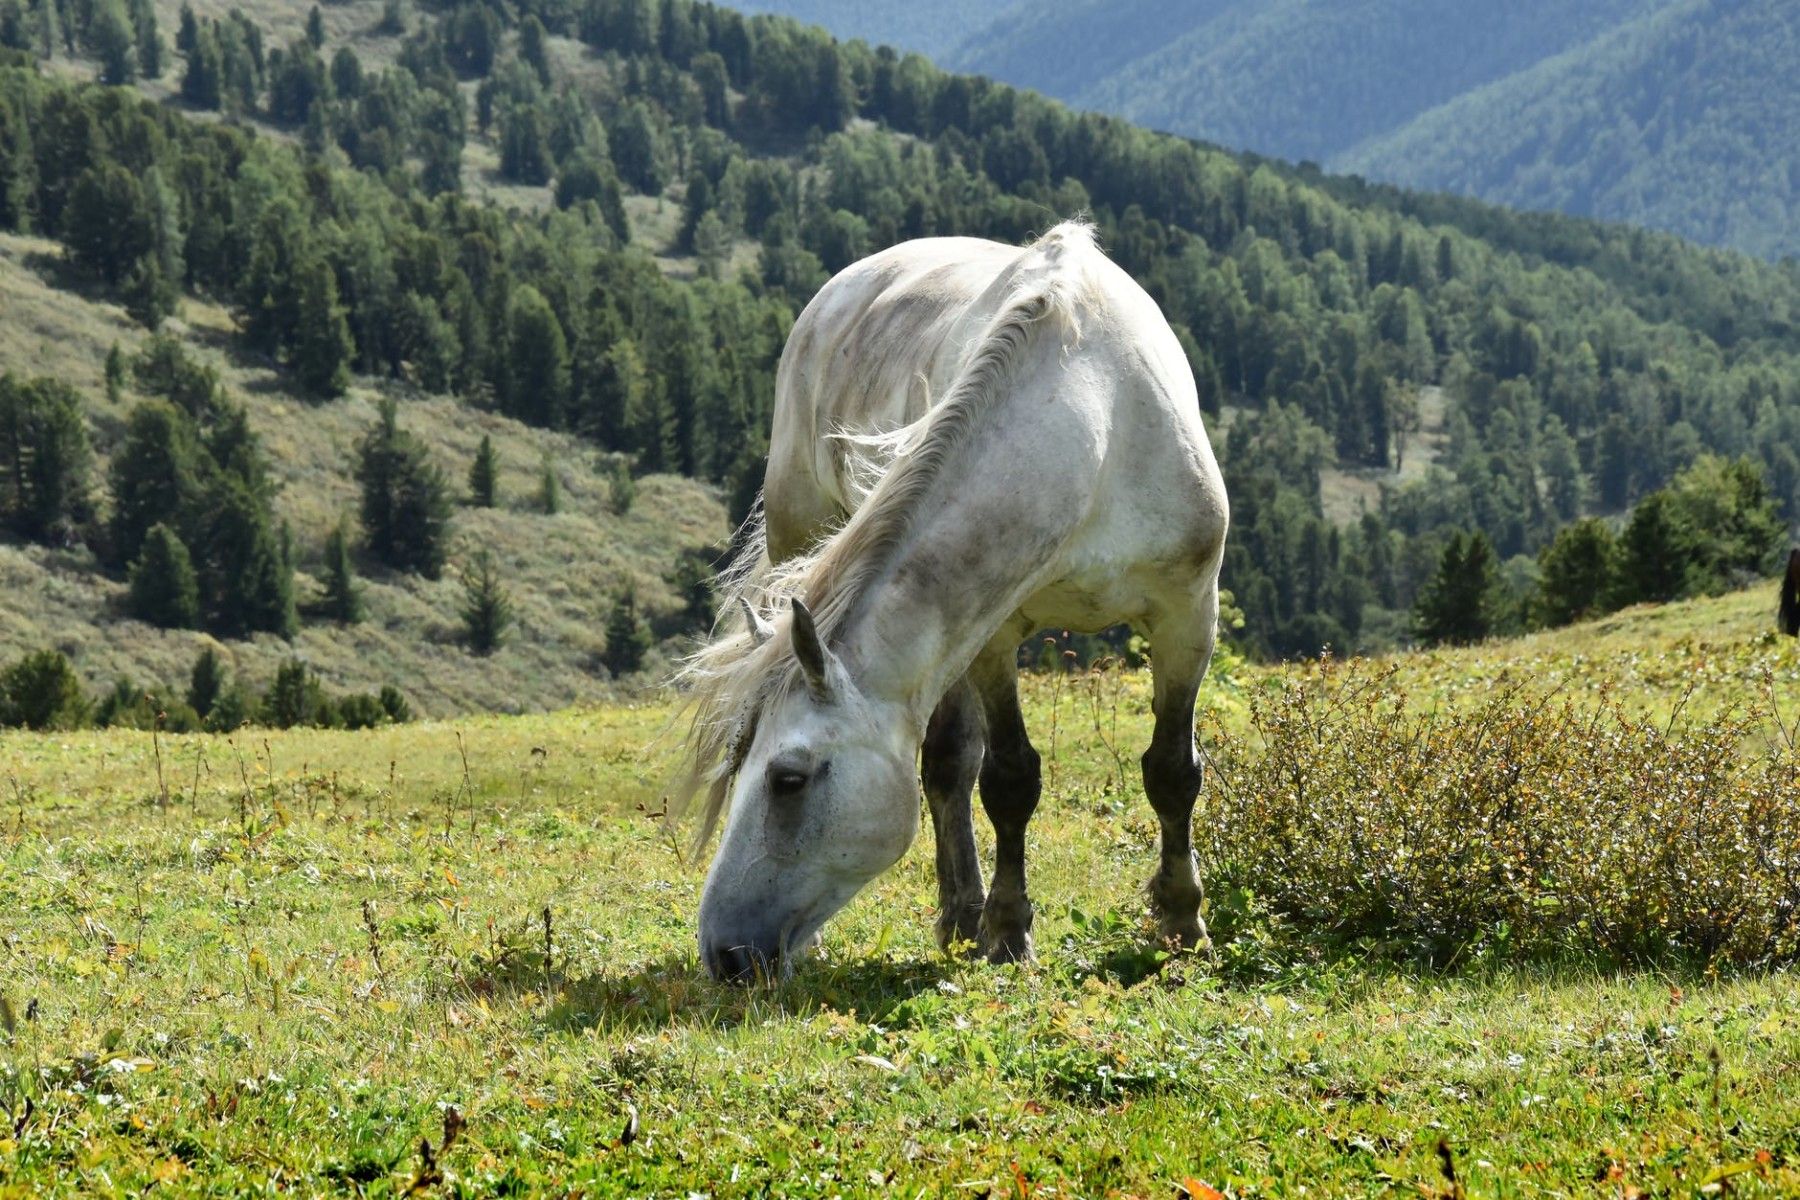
(487, 609)
(42, 691)
(343, 599)
(154, 477)
(247, 581)
(538, 360)
(146, 42)
(549, 489)
(115, 374)
(483, 475)
(205, 682)
(315, 27)
(524, 148)
(621, 489)
(627, 636)
(405, 505)
(1575, 573)
(44, 459)
(323, 347)
(187, 29)
(1459, 605)
(203, 82)
(532, 49)
(1655, 553)
(114, 42)
(164, 590)
(295, 698)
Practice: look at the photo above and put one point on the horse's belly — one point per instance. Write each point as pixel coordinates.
(1084, 605)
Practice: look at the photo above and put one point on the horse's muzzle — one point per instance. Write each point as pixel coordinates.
(742, 963)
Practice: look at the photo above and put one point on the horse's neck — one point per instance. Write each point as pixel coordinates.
(987, 535)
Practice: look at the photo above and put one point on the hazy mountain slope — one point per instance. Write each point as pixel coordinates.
(1687, 120)
(932, 27)
(1298, 79)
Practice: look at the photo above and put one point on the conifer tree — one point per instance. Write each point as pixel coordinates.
(42, 691)
(538, 360)
(114, 42)
(405, 505)
(247, 581)
(315, 27)
(44, 458)
(146, 41)
(205, 682)
(627, 636)
(115, 374)
(164, 590)
(621, 488)
(549, 489)
(1655, 553)
(323, 347)
(487, 609)
(532, 49)
(203, 82)
(1575, 573)
(154, 477)
(343, 599)
(482, 475)
(1459, 604)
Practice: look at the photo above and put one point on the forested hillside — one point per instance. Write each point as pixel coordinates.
(1688, 119)
(1676, 114)
(599, 219)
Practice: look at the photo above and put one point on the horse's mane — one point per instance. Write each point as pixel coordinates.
(733, 677)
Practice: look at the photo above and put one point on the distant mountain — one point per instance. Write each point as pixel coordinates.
(1679, 114)
(1687, 120)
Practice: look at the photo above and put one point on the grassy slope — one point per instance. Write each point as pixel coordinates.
(206, 977)
(563, 571)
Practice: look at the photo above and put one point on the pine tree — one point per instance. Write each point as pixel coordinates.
(1459, 604)
(1655, 553)
(343, 599)
(205, 682)
(405, 504)
(154, 477)
(315, 27)
(42, 691)
(621, 488)
(482, 475)
(115, 374)
(203, 82)
(532, 50)
(549, 489)
(44, 458)
(627, 636)
(323, 347)
(247, 580)
(164, 590)
(146, 41)
(487, 609)
(114, 42)
(1575, 573)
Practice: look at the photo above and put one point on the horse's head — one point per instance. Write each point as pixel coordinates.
(825, 799)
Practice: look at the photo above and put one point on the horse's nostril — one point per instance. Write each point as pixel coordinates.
(738, 964)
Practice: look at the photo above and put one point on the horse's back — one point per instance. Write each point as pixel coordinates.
(888, 336)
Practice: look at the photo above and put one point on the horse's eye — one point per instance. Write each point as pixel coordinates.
(787, 782)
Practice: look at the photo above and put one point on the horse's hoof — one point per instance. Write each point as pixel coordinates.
(959, 927)
(1007, 945)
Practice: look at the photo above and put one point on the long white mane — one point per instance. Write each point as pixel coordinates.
(732, 679)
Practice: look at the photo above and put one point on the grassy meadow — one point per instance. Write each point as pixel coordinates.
(457, 958)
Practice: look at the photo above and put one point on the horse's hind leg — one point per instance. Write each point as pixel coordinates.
(1180, 648)
(1009, 793)
(949, 761)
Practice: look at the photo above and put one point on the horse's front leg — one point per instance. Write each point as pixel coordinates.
(948, 763)
(1181, 647)
(1010, 784)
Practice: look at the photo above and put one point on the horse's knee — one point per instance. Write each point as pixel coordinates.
(1172, 776)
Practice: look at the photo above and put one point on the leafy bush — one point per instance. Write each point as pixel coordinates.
(42, 691)
(1541, 826)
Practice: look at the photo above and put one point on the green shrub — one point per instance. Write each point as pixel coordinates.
(395, 703)
(42, 691)
(1541, 826)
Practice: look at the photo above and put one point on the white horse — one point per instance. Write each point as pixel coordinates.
(1062, 477)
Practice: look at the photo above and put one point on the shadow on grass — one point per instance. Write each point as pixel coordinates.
(676, 991)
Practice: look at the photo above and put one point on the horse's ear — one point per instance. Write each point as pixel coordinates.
(760, 630)
(820, 665)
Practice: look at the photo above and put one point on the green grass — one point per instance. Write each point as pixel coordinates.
(280, 978)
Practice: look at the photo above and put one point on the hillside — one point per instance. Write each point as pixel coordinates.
(1687, 119)
(600, 225)
(564, 572)
(1674, 114)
